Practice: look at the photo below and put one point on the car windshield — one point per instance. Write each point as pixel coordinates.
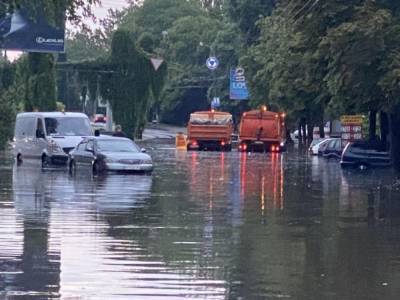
(117, 146)
(68, 126)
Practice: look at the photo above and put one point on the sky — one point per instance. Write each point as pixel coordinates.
(99, 11)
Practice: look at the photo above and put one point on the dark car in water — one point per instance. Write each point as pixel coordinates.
(363, 155)
(333, 149)
(105, 153)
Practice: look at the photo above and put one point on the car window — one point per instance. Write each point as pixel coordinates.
(68, 126)
(117, 146)
(25, 127)
(82, 146)
(338, 145)
(39, 126)
(90, 146)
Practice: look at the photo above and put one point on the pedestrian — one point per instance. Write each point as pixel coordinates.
(118, 132)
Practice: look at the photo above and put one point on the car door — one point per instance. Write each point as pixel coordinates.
(77, 153)
(338, 148)
(40, 143)
(88, 154)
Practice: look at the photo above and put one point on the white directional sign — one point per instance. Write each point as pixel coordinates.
(212, 63)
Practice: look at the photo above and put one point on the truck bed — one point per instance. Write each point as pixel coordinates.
(209, 132)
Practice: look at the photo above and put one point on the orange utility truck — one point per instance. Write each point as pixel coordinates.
(262, 130)
(210, 130)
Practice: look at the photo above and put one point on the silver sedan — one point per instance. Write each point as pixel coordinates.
(105, 153)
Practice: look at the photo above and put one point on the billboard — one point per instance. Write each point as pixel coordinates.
(351, 128)
(238, 88)
(20, 31)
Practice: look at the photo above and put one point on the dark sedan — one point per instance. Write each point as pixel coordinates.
(363, 155)
(105, 153)
(333, 149)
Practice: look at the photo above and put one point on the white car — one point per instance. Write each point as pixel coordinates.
(316, 144)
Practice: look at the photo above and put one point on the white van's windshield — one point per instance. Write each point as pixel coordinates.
(68, 126)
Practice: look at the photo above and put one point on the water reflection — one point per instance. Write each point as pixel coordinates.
(206, 225)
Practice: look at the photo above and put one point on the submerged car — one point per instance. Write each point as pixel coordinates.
(364, 155)
(315, 144)
(333, 149)
(105, 153)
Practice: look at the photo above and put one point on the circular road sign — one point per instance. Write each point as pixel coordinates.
(212, 63)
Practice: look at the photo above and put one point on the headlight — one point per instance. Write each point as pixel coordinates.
(282, 144)
(54, 147)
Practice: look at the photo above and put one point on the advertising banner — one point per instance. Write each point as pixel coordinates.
(238, 88)
(351, 128)
(19, 31)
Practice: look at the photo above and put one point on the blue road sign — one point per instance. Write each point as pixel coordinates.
(212, 63)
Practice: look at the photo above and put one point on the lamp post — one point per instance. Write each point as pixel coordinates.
(212, 65)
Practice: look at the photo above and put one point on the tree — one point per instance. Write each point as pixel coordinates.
(130, 83)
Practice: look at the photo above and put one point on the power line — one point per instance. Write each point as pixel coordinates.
(308, 10)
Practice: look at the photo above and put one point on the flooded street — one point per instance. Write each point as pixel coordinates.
(205, 225)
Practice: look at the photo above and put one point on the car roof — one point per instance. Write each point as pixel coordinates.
(55, 114)
(108, 138)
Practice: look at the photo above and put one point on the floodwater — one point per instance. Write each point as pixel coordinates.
(205, 225)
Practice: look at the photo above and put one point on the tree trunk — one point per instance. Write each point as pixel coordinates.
(321, 130)
(384, 122)
(372, 125)
(299, 134)
(310, 133)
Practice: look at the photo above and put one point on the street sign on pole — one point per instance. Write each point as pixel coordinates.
(215, 102)
(156, 62)
(212, 63)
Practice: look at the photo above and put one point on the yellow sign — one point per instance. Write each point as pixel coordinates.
(180, 141)
(352, 119)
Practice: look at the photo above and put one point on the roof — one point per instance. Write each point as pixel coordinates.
(208, 112)
(108, 137)
(55, 114)
(256, 112)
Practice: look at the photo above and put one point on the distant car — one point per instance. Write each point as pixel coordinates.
(363, 155)
(105, 153)
(333, 149)
(315, 144)
(322, 146)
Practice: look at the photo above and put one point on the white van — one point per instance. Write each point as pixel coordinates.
(49, 136)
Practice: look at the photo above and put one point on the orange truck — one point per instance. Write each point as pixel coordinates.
(262, 130)
(210, 130)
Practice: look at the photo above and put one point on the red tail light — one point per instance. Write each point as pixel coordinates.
(194, 143)
(272, 148)
(222, 143)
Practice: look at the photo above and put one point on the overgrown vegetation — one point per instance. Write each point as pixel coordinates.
(315, 59)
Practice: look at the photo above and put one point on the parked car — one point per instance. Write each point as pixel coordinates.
(315, 144)
(322, 146)
(105, 153)
(333, 149)
(49, 136)
(363, 155)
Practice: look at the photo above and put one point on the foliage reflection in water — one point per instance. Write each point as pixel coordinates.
(205, 225)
